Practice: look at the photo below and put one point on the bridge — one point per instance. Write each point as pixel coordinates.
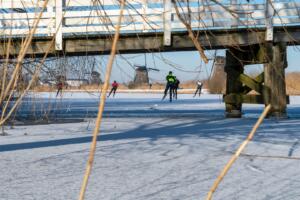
(253, 32)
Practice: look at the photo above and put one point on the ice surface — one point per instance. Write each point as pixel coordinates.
(161, 151)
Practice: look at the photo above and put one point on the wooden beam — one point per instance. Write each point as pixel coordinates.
(248, 81)
(261, 54)
(251, 99)
(258, 79)
(255, 54)
(129, 43)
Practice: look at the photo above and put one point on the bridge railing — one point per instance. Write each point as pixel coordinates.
(81, 17)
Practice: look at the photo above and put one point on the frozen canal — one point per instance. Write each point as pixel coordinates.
(85, 105)
(149, 149)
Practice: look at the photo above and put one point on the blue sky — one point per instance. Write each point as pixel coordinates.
(185, 65)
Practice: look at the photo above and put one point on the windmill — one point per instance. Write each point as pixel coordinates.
(217, 80)
(141, 74)
(218, 67)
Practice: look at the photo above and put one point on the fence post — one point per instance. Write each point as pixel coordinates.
(235, 21)
(51, 25)
(144, 14)
(58, 24)
(269, 13)
(167, 22)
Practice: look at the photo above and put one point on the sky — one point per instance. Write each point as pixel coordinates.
(185, 65)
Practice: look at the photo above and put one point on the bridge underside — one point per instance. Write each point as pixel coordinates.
(151, 42)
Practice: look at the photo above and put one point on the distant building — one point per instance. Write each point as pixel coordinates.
(76, 82)
(72, 82)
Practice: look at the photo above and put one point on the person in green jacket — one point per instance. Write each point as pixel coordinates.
(171, 79)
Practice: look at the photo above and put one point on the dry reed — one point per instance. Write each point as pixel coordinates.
(237, 153)
(101, 105)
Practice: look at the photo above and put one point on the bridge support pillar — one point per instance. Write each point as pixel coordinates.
(275, 92)
(267, 88)
(234, 68)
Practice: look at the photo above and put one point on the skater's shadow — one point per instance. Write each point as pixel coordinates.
(217, 128)
(144, 131)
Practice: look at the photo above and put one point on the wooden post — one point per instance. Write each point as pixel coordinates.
(275, 93)
(234, 68)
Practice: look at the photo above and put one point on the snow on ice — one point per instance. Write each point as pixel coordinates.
(149, 149)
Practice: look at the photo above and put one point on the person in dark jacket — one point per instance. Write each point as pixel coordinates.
(176, 86)
(114, 88)
(170, 85)
(59, 86)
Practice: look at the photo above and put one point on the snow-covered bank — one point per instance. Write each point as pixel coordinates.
(175, 157)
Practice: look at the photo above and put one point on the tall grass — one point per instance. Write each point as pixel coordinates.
(293, 83)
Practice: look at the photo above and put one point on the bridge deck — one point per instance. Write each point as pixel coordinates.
(129, 43)
(220, 24)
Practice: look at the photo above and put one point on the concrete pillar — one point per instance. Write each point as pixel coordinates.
(233, 67)
(274, 76)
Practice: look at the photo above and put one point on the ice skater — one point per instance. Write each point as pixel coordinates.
(59, 86)
(170, 85)
(199, 88)
(114, 88)
(176, 86)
